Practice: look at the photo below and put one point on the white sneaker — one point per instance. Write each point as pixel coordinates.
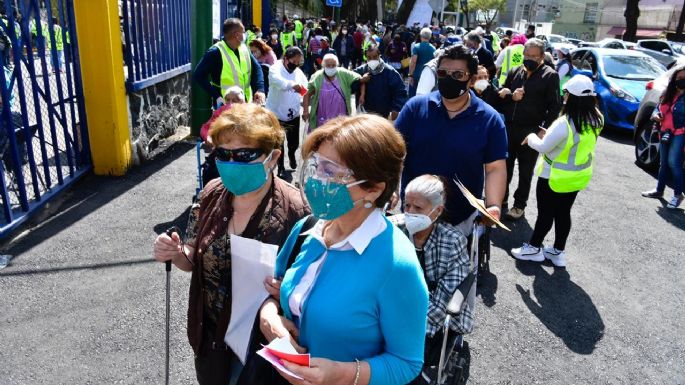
(557, 257)
(675, 201)
(528, 253)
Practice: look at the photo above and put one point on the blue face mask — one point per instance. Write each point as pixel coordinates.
(329, 200)
(241, 178)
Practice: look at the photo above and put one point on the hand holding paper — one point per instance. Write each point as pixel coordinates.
(479, 205)
(280, 350)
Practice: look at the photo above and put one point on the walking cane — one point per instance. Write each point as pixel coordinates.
(169, 231)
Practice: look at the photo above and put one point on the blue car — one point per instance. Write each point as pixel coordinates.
(620, 76)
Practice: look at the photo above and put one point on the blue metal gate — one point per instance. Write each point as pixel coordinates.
(43, 138)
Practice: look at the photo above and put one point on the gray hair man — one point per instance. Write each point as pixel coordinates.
(474, 41)
(527, 111)
(421, 54)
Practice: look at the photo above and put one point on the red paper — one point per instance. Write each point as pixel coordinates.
(299, 359)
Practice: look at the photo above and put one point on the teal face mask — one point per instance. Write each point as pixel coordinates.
(241, 178)
(329, 200)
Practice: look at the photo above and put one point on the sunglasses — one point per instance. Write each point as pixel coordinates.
(242, 155)
(456, 74)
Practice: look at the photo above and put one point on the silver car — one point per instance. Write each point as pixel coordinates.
(666, 52)
(645, 137)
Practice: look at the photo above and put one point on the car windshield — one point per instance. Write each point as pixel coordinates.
(631, 67)
(557, 39)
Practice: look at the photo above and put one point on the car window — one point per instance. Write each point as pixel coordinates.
(576, 58)
(655, 45)
(614, 45)
(631, 67)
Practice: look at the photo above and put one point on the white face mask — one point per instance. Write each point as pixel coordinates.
(417, 222)
(373, 64)
(330, 72)
(244, 37)
(481, 85)
(275, 37)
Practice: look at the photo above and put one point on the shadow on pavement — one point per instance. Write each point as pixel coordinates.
(85, 197)
(181, 221)
(618, 135)
(563, 307)
(676, 217)
(487, 288)
(95, 266)
(520, 233)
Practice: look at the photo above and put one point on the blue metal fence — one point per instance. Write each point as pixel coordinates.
(156, 40)
(43, 138)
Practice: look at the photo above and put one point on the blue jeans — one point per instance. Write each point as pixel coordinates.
(671, 156)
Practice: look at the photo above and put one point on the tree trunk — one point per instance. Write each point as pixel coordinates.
(681, 22)
(632, 13)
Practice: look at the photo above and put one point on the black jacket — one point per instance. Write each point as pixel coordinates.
(541, 102)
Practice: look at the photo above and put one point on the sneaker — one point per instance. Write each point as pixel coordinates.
(652, 194)
(557, 257)
(675, 201)
(528, 253)
(514, 214)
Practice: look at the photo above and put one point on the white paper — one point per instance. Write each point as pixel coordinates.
(276, 362)
(251, 262)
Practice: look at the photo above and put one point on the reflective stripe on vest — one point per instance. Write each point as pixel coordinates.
(513, 59)
(571, 170)
(232, 75)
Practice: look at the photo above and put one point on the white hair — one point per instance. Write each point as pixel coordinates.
(430, 187)
(332, 57)
(235, 91)
(426, 33)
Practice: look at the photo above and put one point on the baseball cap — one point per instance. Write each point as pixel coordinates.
(580, 85)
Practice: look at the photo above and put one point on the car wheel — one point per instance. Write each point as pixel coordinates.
(647, 146)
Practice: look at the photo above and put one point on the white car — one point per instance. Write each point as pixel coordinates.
(609, 43)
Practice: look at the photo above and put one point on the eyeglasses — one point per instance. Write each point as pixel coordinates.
(321, 168)
(456, 74)
(242, 155)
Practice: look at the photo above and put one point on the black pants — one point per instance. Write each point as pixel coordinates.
(527, 158)
(213, 367)
(553, 207)
(292, 136)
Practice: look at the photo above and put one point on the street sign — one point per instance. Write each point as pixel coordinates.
(334, 3)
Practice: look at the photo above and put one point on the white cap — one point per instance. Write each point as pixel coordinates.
(563, 50)
(295, 16)
(479, 30)
(580, 85)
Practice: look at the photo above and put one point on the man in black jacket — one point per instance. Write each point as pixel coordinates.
(530, 100)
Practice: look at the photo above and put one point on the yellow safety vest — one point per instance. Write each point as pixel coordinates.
(235, 72)
(571, 170)
(299, 27)
(513, 59)
(365, 45)
(250, 36)
(287, 40)
(495, 42)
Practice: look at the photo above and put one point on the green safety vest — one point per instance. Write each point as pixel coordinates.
(250, 36)
(495, 42)
(235, 72)
(366, 45)
(299, 27)
(287, 40)
(513, 59)
(571, 170)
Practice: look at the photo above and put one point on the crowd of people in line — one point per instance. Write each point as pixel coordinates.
(361, 294)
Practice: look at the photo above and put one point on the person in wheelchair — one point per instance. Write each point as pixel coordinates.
(234, 95)
(443, 255)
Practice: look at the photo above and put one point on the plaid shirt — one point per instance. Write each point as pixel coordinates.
(446, 263)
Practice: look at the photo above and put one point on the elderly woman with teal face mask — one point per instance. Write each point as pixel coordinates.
(246, 203)
(355, 290)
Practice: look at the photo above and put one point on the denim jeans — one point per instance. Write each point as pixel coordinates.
(671, 156)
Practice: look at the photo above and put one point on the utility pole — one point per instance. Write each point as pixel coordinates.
(200, 40)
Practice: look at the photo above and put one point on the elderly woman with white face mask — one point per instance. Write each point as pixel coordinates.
(441, 249)
(329, 92)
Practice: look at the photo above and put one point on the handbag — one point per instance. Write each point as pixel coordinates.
(257, 370)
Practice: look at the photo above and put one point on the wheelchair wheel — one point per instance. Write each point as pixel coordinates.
(459, 372)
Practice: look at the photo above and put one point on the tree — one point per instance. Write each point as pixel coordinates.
(631, 14)
(681, 21)
(488, 8)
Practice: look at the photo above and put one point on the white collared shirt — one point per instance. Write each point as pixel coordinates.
(358, 241)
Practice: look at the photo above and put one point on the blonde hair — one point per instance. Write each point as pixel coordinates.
(368, 144)
(251, 122)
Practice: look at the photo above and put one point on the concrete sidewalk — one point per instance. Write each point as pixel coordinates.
(82, 300)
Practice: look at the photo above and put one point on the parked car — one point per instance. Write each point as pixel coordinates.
(575, 42)
(609, 43)
(646, 139)
(620, 77)
(555, 42)
(666, 52)
(501, 31)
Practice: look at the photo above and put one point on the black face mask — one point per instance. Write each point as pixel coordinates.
(531, 65)
(450, 88)
(680, 84)
(291, 67)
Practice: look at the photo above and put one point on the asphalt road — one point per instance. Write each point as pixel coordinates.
(82, 302)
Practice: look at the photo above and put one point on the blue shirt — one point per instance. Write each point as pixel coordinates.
(369, 304)
(457, 147)
(424, 53)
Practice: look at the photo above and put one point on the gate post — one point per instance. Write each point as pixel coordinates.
(104, 91)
